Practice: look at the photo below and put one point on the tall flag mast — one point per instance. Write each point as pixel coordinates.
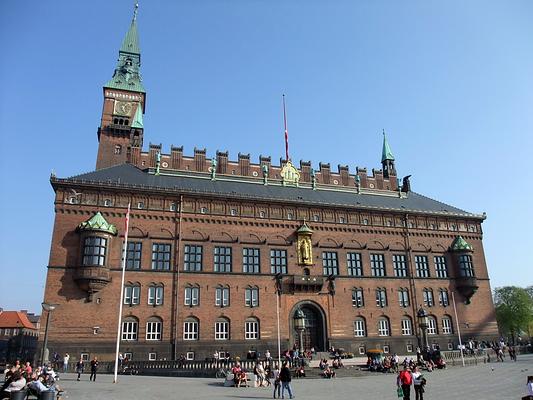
(286, 131)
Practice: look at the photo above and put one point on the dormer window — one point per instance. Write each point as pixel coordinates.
(233, 212)
(173, 207)
(289, 216)
(203, 210)
(107, 203)
(140, 205)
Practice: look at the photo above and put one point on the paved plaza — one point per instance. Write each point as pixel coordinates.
(494, 381)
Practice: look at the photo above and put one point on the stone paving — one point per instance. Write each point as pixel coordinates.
(494, 381)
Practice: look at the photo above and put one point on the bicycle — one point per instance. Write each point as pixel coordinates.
(222, 373)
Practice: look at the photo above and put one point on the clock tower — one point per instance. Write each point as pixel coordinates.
(120, 135)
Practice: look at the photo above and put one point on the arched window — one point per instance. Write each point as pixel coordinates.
(155, 294)
(359, 327)
(132, 293)
(407, 326)
(447, 327)
(251, 329)
(191, 329)
(192, 295)
(251, 296)
(432, 325)
(130, 329)
(154, 329)
(383, 327)
(222, 326)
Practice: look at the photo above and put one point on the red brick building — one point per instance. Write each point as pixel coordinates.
(18, 336)
(214, 244)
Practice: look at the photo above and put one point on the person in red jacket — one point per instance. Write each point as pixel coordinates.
(405, 380)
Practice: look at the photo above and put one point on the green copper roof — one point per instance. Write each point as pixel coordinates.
(387, 152)
(138, 118)
(304, 229)
(459, 244)
(127, 75)
(130, 44)
(97, 223)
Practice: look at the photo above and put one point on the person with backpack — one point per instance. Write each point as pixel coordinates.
(405, 380)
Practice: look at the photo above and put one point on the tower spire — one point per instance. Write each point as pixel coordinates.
(127, 75)
(387, 159)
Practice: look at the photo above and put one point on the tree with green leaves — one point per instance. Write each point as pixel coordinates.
(514, 310)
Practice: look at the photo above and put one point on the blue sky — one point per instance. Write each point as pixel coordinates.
(450, 81)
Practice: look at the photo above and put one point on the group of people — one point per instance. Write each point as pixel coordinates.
(328, 371)
(23, 377)
(265, 374)
(411, 377)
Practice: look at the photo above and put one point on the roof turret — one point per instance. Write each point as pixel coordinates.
(387, 152)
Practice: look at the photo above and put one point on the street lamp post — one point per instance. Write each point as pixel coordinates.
(422, 316)
(44, 351)
(299, 325)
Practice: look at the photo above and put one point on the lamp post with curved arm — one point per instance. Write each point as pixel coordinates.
(44, 351)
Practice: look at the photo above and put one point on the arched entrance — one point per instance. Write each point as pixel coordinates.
(314, 334)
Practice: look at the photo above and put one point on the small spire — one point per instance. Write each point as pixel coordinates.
(135, 8)
(387, 152)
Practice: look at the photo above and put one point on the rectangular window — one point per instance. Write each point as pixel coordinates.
(189, 356)
(161, 256)
(441, 268)
(251, 330)
(129, 330)
(152, 356)
(377, 264)
(409, 348)
(443, 298)
(222, 297)
(362, 350)
(94, 251)
(278, 261)
(407, 328)
(381, 297)
(358, 299)
(359, 328)
(355, 266)
(251, 297)
(85, 356)
(133, 255)
(155, 295)
(153, 330)
(192, 296)
(466, 268)
(250, 260)
(422, 266)
(192, 258)
(403, 297)
(428, 298)
(330, 263)
(400, 265)
(132, 294)
(221, 330)
(222, 259)
(190, 330)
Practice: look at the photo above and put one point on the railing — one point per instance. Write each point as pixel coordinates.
(304, 283)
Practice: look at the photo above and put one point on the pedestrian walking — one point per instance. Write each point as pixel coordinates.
(79, 368)
(277, 383)
(94, 367)
(285, 378)
(66, 359)
(405, 379)
(418, 383)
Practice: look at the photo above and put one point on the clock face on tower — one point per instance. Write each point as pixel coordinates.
(123, 108)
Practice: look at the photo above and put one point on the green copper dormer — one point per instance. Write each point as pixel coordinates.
(459, 244)
(138, 118)
(387, 152)
(97, 223)
(304, 229)
(127, 75)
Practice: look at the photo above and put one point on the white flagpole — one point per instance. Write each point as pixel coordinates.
(279, 338)
(458, 330)
(122, 290)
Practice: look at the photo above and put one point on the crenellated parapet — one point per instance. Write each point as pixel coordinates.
(244, 166)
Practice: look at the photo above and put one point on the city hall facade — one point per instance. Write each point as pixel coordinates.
(217, 245)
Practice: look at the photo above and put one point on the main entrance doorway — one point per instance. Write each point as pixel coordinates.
(314, 334)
